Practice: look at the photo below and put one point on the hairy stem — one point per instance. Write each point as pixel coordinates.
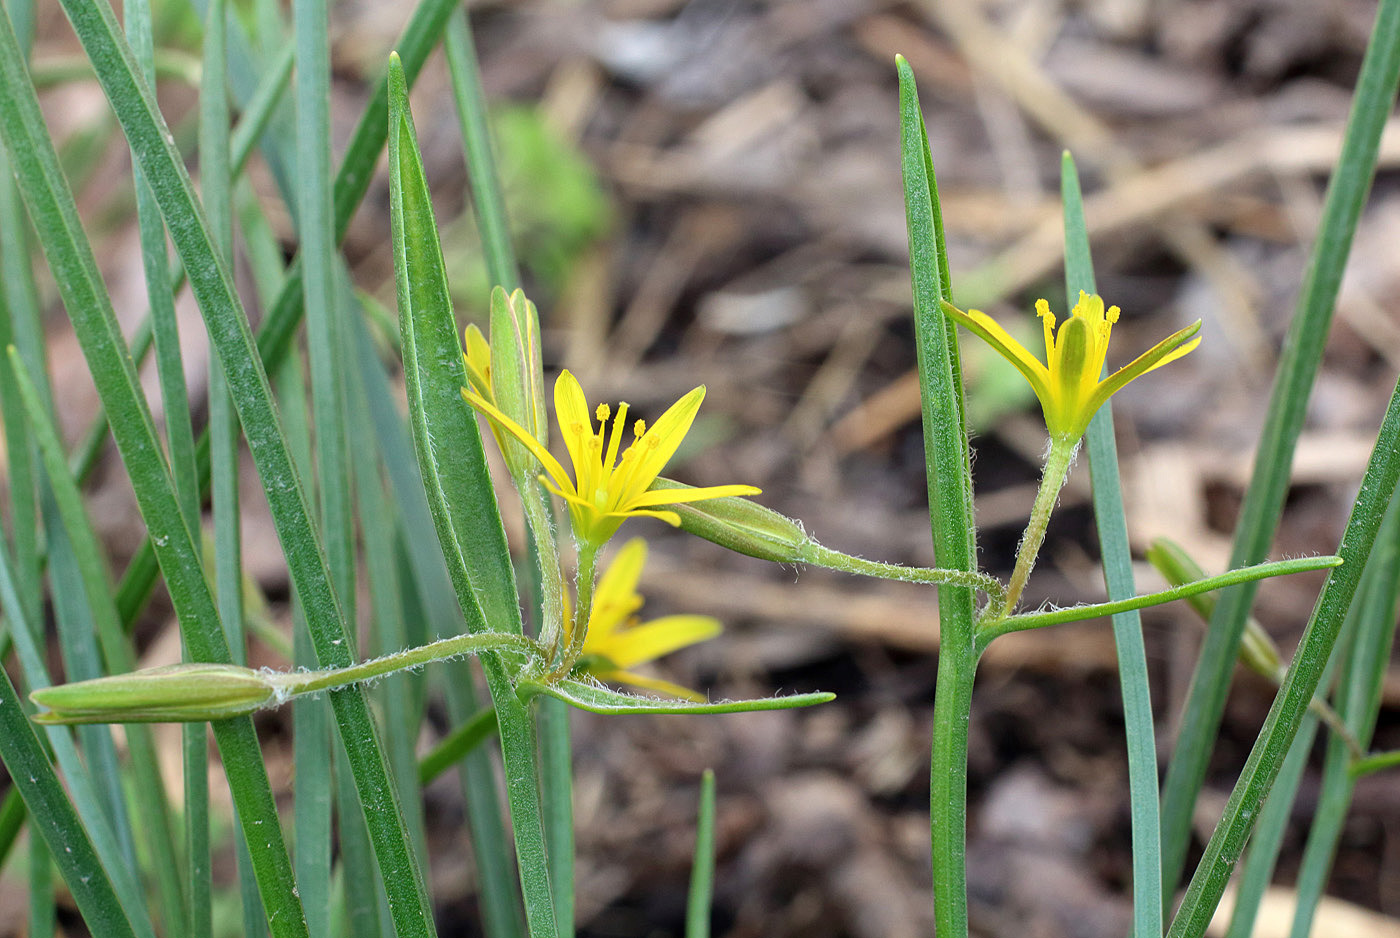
(1051, 481)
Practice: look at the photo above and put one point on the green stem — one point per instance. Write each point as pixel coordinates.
(821, 556)
(296, 683)
(537, 516)
(952, 707)
(457, 744)
(1051, 481)
(557, 789)
(583, 604)
(1259, 571)
(1375, 763)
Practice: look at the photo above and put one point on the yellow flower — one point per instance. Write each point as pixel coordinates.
(618, 641)
(1069, 388)
(607, 490)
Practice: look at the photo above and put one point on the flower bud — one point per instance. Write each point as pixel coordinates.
(743, 526)
(178, 693)
(517, 375)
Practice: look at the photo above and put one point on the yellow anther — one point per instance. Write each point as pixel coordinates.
(639, 429)
(604, 412)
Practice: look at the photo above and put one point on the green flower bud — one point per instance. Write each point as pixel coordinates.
(178, 693)
(743, 526)
(517, 376)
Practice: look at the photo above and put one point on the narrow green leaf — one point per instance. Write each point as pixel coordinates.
(311, 742)
(1117, 560)
(556, 780)
(88, 821)
(229, 334)
(1358, 699)
(43, 914)
(1298, 365)
(81, 612)
(702, 870)
(70, 256)
(487, 196)
(56, 821)
(387, 631)
(1377, 762)
(362, 895)
(312, 207)
(1304, 674)
(428, 596)
(12, 815)
(1257, 870)
(948, 463)
(419, 38)
(462, 502)
(456, 744)
(216, 183)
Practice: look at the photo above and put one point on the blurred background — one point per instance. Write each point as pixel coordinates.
(708, 192)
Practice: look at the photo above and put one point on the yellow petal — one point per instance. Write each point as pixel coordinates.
(643, 462)
(987, 329)
(615, 597)
(576, 426)
(478, 361)
(551, 465)
(1168, 350)
(659, 637)
(670, 517)
(653, 497)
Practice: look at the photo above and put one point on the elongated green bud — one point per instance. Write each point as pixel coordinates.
(178, 693)
(743, 526)
(517, 375)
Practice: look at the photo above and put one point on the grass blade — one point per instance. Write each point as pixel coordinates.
(428, 583)
(460, 496)
(312, 209)
(387, 630)
(311, 742)
(950, 507)
(1358, 700)
(87, 611)
(232, 341)
(1299, 685)
(283, 316)
(702, 870)
(56, 821)
(88, 822)
(1258, 868)
(1118, 577)
(488, 199)
(70, 256)
(1298, 365)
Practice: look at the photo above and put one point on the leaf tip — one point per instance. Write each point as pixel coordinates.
(902, 67)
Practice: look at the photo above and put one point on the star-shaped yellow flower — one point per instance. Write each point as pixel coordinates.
(1069, 388)
(607, 490)
(618, 641)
